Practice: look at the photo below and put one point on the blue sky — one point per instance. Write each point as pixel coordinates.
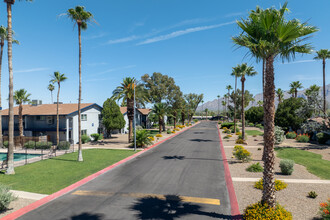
(187, 40)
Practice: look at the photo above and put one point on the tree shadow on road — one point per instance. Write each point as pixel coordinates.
(86, 216)
(201, 140)
(172, 207)
(175, 157)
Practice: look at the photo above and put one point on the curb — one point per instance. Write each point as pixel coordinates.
(37, 204)
(229, 182)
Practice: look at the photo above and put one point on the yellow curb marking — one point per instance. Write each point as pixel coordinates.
(142, 195)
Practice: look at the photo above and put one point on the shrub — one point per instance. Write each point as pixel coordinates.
(322, 138)
(286, 166)
(261, 210)
(312, 195)
(291, 135)
(304, 138)
(101, 137)
(6, 197)
(250, 124)
(95, 136)
(30, 144)
(255, 115)
(233, 130)
(240, 136)
(44, 145)
(279, 135)
(279, 185)
(254, 135)
(168, 131)
(229, 135)
(260, 126)
(85, 138)
(5, 144)
(241, 153)
(151, 138)
(228, 131)
(259, 148)
(195, 120)
(256, 167)
(63, 145)
(238, 133)
(227, 124)
(325, 209)
(240, 141)
(142, 138)
(159, 135)
(173, 131)
(226, 137)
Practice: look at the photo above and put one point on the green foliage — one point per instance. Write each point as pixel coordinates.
(30, 145)
(227, 125)
(312, 194)
(286, 115)
(261, 210)
(233, 130)
(6, 197)
(254, 115)
(168, 131)
(240, 141)
(44, 145)
(5, 144)
(279, 185)
(256, 167)
(241, 153)
(322, 138)
(254, 133)
(291, 135)
(260, 126)
(279, 135)
(240, 136)
(142, 138)
(248, 97)
(325, 210)
(112, 118)
(85, 138)
(286, 166)
(195, 120)
(96, 136)
(63, 145)
(304, 138)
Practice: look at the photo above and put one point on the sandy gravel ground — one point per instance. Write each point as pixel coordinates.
(17, 204)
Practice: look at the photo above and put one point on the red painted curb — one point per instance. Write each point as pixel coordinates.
(32, 206)
(229, 182)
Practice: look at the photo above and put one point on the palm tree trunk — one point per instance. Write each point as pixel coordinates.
(182, 117)
(295, 93)
(160, 124)
(324, 95)
(268, 193)
(20, 113)
(80, 157)
(243, 114)
(235, 102)
(1, 53)
(263, 76)
(10, 155)
(130, 116)
(57, 117)
(51, 93)
(174, 118)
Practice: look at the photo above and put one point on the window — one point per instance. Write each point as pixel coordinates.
(84, 132)
(84, 117)
(50, 120)
(41, 118)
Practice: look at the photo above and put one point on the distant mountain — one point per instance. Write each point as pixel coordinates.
(213, 105)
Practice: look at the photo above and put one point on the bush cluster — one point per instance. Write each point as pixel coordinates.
(143, 138)
(256, 167)
(227, 125)
(304, 138)
(97, 136)
(168, 131)
(322, 138)
(325, 209)
(250, 124)
(85, 138)
(279, 135)
(159, 135)
(151, 138)
(5, 144)
(44, 145)
(261, 210)
(260, 126)
(241, 153)
(240, 141)
(30, 145)
(291, 135)
(279, 185)
(63, 145)
(232, 129)
(6, 197)
(286, 166)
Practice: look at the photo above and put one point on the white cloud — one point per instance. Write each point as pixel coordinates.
(183, 32)
(115, 69)
(123, 40)
(300, 61)
(31, 70)
(233, 14)
(94, 36)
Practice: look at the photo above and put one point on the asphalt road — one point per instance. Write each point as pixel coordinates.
(182, 178)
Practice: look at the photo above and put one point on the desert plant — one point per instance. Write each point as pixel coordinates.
(241, 153)
(286, 166)
(5, 144)
(304, 138)
(262, 210)
(44, 145)
(256, 167)
(227, 125)
(250, 124)
(159, 135)
(85, 138)
(168, 131)
(322, 138)
(279, 135)
(259, 148)
(195, 120)
(142, 138)
(226, 137)
(240, 136)
(233, 130)
(279, 185)
(63, 145)
(151, 138)
(95, 136)
(30, 145)
(6, 197)
(291, 135)
(238, 133)
(312, 194)
(240, 141)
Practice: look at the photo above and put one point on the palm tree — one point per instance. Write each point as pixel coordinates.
(218, 96)
(21, 96)
(226, 107)
(58, 78)
(51, 88)
(224, 104)
(228, 87)
(280, 95)
(323, 54)
(235, 73)
(160, 110)
(244, 70)
(267, 34)
(80, 17)
(10, 154)
(125, 92)
(294, 87)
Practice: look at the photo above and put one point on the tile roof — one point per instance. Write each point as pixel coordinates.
(144, 111)
(48, 109)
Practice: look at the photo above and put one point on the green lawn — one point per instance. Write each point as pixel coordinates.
(49, 176)
(313, 162)
(253, 132)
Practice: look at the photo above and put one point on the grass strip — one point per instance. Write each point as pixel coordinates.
(253, 132)
(312, 161)
(51, 175)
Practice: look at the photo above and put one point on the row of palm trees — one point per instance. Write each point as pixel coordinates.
(80, 17)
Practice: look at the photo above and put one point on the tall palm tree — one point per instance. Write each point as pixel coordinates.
(228, 87)
(280, 95)
(51, 88)
(80, 17)
(160, 110)
(224, 104)
(294, 87)
(268, 34)
(226, 107)
(21, 96)
(244, 70)
(10, 154)
(58, 78)
(125, 92)
(218, 96)
(323, 54)
(236, 74)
